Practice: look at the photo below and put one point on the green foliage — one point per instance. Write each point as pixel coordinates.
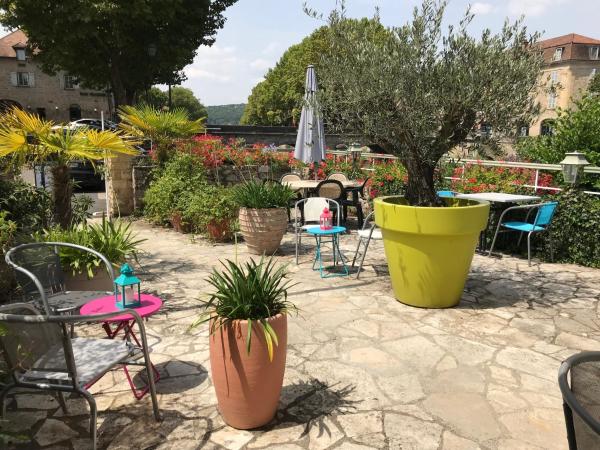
(253, 292)
(110, 42)
(29, 207)
(8, 230)
(574, 229)
(211, 204)
(181, 98)
(594, 85)
(419, 91)
(258, 195)
(115, 240)
(81, 205)
(225, 114)
(172, 186)
(278, 99)
(154, 97)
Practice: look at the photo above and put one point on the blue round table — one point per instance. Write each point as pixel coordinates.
(320, 237)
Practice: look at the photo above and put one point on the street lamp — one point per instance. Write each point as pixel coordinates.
(355, 150)
(572, 166)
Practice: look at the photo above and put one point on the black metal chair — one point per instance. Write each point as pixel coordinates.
(354, 200)
(579, 382)
(285, 178)
(42, 355)
(41, 278)
(334, 190)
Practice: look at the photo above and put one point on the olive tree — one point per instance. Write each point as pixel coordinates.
(419, 90)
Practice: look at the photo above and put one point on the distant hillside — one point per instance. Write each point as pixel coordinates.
(225, 114)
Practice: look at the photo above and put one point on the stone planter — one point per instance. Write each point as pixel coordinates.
(247, 385)
(263, 229)
(429, 250)
(80, 282)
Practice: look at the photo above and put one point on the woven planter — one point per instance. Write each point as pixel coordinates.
(263, 229)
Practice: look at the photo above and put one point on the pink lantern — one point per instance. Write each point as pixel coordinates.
(326, 220)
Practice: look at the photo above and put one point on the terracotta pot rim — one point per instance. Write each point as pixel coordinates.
(262, 209)
(245, 321)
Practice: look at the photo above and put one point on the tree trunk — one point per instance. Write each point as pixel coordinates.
(62, 191)
(420, 190)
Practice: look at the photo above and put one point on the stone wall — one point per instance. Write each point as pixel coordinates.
(228, 175)
(119, 195)
(141, 178)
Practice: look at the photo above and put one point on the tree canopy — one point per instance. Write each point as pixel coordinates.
(418, 90)
(225, 114)
(181, 97)
(128, 46)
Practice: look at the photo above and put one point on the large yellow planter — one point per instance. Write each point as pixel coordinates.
(429, 250)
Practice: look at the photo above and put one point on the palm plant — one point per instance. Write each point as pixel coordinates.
(27, 138)
(161, 126)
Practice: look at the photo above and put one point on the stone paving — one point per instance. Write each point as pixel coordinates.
(363, 371)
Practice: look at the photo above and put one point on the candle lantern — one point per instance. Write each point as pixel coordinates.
(572, 167)
(325, 220)
(127, 289)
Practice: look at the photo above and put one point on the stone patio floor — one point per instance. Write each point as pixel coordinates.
(363, 371)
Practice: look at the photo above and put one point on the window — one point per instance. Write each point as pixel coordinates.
(551, 100)
(547, 128)
(558, 53)
(71, 82)
(524, 131)
(554, 77)
(22, 78)
(20, 54)
(594, 52)
(41, 112)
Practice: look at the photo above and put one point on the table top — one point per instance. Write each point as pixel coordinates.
(103, 305)
(317, 230)
(499, 197)
(311, 184)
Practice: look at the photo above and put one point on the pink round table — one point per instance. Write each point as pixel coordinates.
(103, 305)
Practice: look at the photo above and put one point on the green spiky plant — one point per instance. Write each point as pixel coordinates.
(26, 138)
(251, 291)
(258, 195)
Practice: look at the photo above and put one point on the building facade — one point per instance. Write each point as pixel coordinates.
(56, 97)
(570, 62)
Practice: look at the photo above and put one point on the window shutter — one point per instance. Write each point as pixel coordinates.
(61, 80)
(31, 79)
(13, 78)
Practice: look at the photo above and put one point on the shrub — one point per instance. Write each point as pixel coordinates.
(388, 178)
(213, 204)
(30, 208)
(259, 195)
(115, 240)
(172, 187)
(8, 230)
(574, 229)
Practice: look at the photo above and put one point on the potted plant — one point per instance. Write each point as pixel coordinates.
(262, 216)
(424, 92)
(213, 211)
(247, 317)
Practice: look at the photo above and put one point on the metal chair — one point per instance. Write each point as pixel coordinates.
(579, 382)
(338, 176)
(365, 235)
(41, 354)
(542, 220)
(289, 177)
(310, 210)
(355, 202)
(38, 270)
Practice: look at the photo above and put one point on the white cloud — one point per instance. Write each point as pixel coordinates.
(261, 64)
(532, 7)
(482, 8)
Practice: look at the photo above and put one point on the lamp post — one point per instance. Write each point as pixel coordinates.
(355, 151)
(572, 167)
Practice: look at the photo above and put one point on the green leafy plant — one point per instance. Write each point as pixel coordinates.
(81, 205)
(258, 195)
(212, 204)
(115, 240)
(29, 207)
(253, 292)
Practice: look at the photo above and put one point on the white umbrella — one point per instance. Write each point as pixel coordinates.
(310, 143)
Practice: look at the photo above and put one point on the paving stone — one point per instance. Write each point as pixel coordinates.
(230, 438)
(408, 433)
(454, 442)
(323, 434)
(361, 423)
(541, 427)
(53, 431)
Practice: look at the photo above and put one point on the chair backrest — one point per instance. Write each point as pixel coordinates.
(29, 336)
(289, 177)
(312, 208)
(40, 260)
(579, 381)
(445, 194)
(339, 176)
(330, 189)
(545, 213)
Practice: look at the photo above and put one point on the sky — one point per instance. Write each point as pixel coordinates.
(257, 33)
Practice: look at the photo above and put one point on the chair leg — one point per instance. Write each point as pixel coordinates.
(93, 416)
(494, 240)
(60, 396)
(297, 246)
(520, 238)
(529, 248)
(357, 250)
(551, 248)
(362, 259)
(3, 395)
(359, 213)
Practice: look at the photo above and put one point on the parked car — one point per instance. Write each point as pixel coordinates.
(93, 123)
(85, 178)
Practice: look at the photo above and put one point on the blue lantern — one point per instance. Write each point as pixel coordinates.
(126, 286)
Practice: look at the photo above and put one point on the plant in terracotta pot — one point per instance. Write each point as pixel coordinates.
(213, 211)
(422, 92)
(262, 216)
(247, 317)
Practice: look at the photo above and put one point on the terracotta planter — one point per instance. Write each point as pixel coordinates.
(220, 230)
(248, 386)
(80, 282)
(263, 229)
(178, 224)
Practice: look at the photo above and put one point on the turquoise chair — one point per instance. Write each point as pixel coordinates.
(542, 220)
(446, 194)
